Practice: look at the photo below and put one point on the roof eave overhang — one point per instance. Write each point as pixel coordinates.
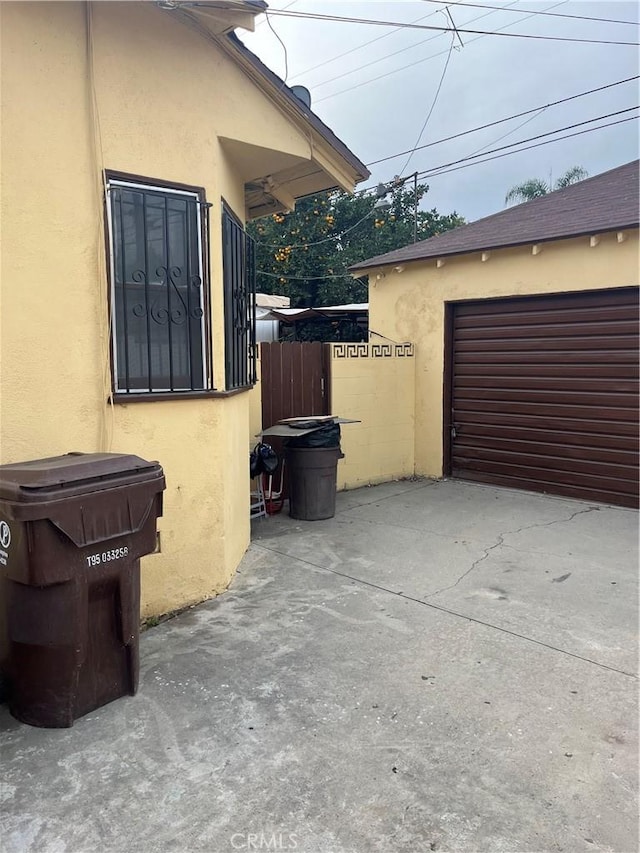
(220, 16)
(489, 247)
(325, 168)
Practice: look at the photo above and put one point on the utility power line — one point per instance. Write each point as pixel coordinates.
(472, 161)
(264, 20)
(432, 107)
(427, 58)
(510, 132)
(364, 44)
(380, 59)
(317, 242)
(397, 181)
(316, 16)
(346, 274)
(548, 14)
(283, 45)
(507, 118)
(444, 171)
(475, 159)
(528, 147)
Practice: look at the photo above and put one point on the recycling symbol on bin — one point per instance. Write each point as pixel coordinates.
(5, 535)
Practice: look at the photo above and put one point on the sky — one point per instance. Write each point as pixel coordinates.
(376, 95)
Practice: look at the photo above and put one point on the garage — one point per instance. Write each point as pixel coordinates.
(525, 328)
(541, 393)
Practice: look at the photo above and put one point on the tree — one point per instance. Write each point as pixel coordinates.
(536, 187)
(571, 176)
(305, 254)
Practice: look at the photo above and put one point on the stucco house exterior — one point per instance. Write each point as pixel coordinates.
(137, 139)
(525, 326)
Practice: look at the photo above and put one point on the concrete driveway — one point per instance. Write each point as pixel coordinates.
(442, 666)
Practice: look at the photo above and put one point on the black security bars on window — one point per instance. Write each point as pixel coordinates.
(158, 291)
(239, 303)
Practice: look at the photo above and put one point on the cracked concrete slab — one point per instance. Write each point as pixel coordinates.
(500, 564)
(313, 708)
(368, 549)
(466, 511)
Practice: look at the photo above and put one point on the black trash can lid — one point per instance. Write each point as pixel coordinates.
(72, 474)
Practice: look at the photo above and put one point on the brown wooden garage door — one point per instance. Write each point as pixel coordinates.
(543, 394)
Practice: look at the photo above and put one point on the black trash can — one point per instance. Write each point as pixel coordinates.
(72, 531)
(312, 481)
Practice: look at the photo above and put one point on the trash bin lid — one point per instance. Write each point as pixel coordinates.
(72, 474)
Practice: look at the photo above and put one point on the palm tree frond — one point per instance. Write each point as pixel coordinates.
(571, 176)
(533, 188)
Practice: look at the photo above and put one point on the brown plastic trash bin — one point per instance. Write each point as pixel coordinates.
(72, 531)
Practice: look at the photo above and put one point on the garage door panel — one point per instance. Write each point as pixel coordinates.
(553, 303)
(503, 396)
(547, 422)
(551, 356)
(616, 322)
(526, 343)
(523, 384)
(551, 487)
(475, 446)
(544, 393)
(536, 474)
(483, 433)
(576, 371)
(536, 409)
(558, 462)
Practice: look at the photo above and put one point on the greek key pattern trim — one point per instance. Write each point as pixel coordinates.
(372, 350)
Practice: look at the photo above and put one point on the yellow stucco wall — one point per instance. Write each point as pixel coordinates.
(377, 389)
(164, 96)
(409, 306)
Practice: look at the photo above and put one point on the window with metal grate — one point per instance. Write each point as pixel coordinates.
(238, 254)
(159, 297)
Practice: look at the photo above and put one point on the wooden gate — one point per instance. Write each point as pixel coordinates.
(294, 380)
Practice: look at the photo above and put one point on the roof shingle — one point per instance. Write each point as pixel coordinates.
(606, 202)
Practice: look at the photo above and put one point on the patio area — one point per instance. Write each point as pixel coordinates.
(440, 667)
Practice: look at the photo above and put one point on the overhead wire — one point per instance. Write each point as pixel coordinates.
(438, 170)
(361, 46)
(509, 132)
(469, 160)
(472, 157)
(397, 181)
(304, 277)
(316, 16)
(457, 168)
(379, 59)
(284, 48)
(433, 104)
(508, 118)
(532, 12)
(317, 242)
(453, 24)
(424, 59)
(463, 162)
(265, 21)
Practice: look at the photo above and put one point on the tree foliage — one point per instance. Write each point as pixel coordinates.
(536, 187)
(305, 254)
(571, 176)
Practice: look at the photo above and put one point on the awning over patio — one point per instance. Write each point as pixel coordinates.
(292, 315)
